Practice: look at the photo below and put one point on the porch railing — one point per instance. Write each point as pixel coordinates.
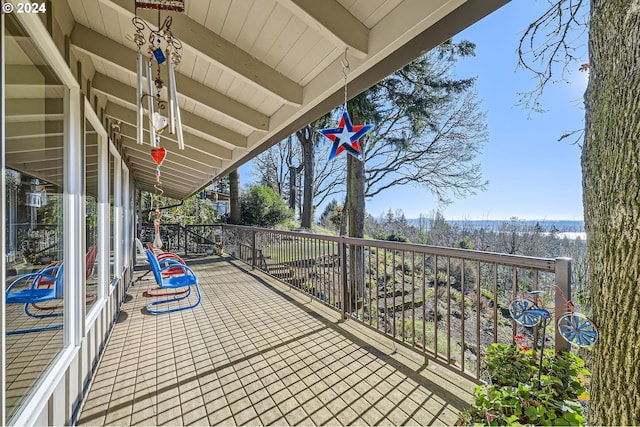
(447, 304)
(185, 239)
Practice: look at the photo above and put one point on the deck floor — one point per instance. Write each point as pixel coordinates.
(256, 352)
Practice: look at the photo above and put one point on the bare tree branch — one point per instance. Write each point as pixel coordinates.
(546, 49)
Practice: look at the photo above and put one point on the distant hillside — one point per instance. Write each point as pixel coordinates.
(563, 226)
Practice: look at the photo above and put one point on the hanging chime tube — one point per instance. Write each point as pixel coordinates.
(172, 100)
(174, 96)
(139, 93)
(152, 130)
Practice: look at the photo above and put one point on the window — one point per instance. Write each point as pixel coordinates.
(91, 152)
(115, 215)
(34, 184)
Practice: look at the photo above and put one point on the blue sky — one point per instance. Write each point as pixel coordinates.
(531, 174)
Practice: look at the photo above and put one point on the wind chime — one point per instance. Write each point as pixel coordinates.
(346, 136)
(162, 47)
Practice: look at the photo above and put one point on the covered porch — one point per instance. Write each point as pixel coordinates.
(258, 352)
(75, 161)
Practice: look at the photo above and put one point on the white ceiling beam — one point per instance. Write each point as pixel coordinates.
(226, 54)
(333, 22)
(169, 189)
(23, 158)
(126, 93)
(104, 48)
(145, 174)
(175, 176)
(29, 107)
(34, 118)
(43, 165)
(170, 192)
(18, 130)
(31, 75)
(34, 143)
(192, 142)
(196, 164)
(172, 185)
(201, 147)
(407, 32)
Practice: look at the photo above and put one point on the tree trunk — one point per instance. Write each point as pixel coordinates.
(355, 196)
(611, 192)
(293, 172)
(355, 210)
(235, 214)
(307, 140)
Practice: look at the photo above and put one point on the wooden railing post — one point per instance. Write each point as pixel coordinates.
(253, 249)
(563, 281)
(186, 240)
(342, 248)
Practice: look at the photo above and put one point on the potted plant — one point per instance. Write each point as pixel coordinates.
(519, 393)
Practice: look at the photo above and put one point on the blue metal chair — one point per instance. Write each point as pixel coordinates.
(26, 290)
(188, 279)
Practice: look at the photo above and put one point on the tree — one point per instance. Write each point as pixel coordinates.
(610, 176)
(272, 167)
(328, 176)
(293, 175)
(355, 201)
(331, 216)
(441, 233)
(263, 207)
(235, 207)
(307, 137)
(428, 132)
(547, 48)
(429, 128)
(277, 169)
(322, 179)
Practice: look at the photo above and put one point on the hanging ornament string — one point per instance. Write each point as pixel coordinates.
(171, 54)
(345, 73)
(162, 47)
(345, 137)
(158, 155)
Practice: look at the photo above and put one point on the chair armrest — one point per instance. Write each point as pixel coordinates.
(169, 255)
(28, 276)
(178, 265)
(168, 262)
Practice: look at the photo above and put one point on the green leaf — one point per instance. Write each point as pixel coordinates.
(532, 413)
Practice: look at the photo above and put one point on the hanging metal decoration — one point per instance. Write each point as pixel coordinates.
(162, 47)
(158, 155)
(345, 137)
(172, 5)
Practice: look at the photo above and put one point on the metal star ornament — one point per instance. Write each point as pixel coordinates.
(345, 137)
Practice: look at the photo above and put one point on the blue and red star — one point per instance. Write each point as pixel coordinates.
(345, 137)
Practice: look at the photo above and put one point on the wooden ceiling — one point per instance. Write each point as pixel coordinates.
(252, 71)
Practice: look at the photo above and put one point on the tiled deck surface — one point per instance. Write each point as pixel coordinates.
(256, 352)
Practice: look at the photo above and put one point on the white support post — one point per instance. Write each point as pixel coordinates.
(3, 216)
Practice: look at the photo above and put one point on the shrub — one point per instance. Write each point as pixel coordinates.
(519, 393)
(262, 206)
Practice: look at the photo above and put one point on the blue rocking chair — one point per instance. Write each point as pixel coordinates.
(29, 292)
(186, 280)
